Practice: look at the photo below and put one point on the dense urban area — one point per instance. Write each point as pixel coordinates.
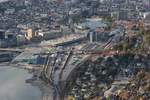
(79, 49)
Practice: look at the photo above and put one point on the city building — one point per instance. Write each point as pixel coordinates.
(147, 22)
(29, 34)
(2, 34)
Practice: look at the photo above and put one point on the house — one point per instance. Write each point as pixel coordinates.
(7, 38)
(2, 34)
(29, 34)
(147, 22)
(90, 24)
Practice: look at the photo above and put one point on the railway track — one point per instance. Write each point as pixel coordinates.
(47, 77)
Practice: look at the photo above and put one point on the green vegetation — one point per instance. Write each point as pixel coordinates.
(108, 21)
(128, 44)
(145, 35)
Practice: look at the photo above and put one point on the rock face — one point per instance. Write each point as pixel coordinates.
(94, 78)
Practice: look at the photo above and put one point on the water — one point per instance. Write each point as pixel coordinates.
(13, 86)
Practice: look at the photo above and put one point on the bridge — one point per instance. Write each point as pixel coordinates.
(11, 49)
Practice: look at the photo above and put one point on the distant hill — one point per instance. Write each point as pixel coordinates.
(3, 0)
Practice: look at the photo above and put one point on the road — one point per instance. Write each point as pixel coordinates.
(12, 49)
